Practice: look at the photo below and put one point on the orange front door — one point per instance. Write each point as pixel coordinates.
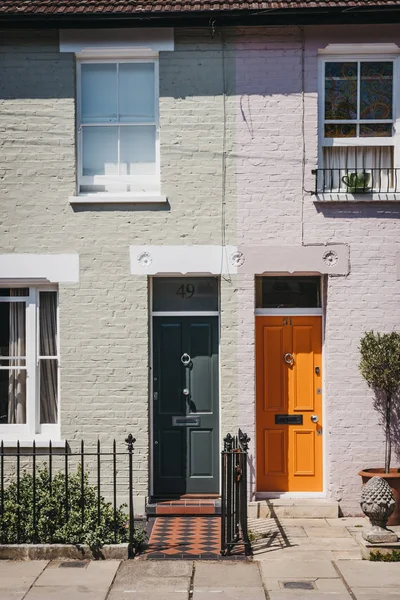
(289, 404)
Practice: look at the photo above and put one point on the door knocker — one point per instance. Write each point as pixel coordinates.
(288, 358)
(185, 359)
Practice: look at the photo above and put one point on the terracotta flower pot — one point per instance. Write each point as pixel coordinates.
(393, 479)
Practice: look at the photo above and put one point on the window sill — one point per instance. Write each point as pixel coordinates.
(118, 199)
(12, 443)
(367, 197)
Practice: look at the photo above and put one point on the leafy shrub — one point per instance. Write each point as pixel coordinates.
(380, 367)
(393, 556)
(52, 525)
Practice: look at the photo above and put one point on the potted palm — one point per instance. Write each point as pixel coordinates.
(380, 367)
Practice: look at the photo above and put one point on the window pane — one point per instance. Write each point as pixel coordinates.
(48, 324)
(100, 151)
(14, 291)
(48, 390)
(376, 90)
(12, 330)
(288, 292)
(138, 151)
(376, 130)
(340, 90)
(13, 395)
(342, 131)
(99, 92)
(185, 293)
(136, 92)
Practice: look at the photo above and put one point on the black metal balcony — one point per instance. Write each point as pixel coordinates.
(357, 181)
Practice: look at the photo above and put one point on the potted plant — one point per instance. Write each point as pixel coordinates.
(380, 367)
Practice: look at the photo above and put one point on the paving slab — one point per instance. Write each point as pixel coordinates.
(292, 569)
(366, 574)
(375, 593)
(140, 578)
(224, 575)
(95, 576)
(326, 532)
(314, 595)
(286, 521)
(17, 577)
(347, 522)
(68, 593)
(145, 595)
(231, 594)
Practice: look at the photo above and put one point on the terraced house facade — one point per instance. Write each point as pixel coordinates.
(199, 216)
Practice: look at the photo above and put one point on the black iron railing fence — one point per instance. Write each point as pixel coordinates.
(234, 530)
(88, 474)
(357, 181)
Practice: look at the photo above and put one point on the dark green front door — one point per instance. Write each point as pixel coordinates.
(185, 405)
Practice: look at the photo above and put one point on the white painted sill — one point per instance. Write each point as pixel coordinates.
(369, 197)
(118, 199)
(12, 444)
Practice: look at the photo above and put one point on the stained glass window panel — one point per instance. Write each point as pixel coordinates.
(340, 131)
(376, 90)
(376, 130)
(340, 90)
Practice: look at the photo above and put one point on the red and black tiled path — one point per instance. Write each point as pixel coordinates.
(186, 530)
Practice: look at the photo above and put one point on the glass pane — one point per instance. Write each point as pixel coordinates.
(376, 90)
(341, 131)
(13, 395)
(288, 292)
(100, 151)
(48, 391)
(340, 90)
(48, 324)
(185, 293)
(376, 130)
(136, 92)
(99, 93)
(12, 330)
(14, 291)
(138, 151)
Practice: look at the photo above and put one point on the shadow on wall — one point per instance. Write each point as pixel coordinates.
(345, 210)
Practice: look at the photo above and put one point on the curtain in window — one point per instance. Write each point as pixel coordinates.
(48, 366)
(377, 161)
(17, 378)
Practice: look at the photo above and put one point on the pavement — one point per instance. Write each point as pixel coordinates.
(312, 559)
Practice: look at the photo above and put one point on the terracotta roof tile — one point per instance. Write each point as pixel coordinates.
(94, 7)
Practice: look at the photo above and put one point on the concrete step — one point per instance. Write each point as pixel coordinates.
(294, 508)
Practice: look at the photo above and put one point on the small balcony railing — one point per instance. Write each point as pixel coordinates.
(357, 181)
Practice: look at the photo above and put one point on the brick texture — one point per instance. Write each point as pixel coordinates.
(261, 201)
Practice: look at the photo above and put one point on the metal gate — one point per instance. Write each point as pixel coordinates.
(234, 530)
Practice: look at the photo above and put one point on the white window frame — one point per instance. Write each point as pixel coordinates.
(152, 192)
(359, 141)
(32, 429)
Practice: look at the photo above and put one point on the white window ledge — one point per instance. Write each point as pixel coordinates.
(117, 199)
(39, 443)
(369, 197)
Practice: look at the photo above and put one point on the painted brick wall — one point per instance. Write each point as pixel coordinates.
(104, 318)
(273, 209)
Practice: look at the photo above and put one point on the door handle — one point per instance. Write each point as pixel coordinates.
(185, 359)
(185, 392)
(288, 358)
(314, 418)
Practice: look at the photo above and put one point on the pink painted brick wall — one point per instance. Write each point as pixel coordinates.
(274, 209)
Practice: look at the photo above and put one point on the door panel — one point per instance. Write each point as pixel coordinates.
(185, 425)
(289, 456)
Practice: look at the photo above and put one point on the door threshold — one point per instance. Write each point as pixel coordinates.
(288, 495)
(177, 497)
